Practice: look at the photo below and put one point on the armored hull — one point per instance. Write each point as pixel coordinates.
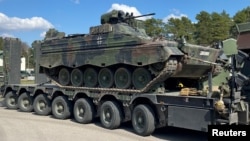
(119, 54)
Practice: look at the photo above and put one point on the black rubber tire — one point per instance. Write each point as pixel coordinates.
(10, 100)
(143, 120)
(25, 102)
(110, 115)
(61, 107)
(42, 105)
(84, 111)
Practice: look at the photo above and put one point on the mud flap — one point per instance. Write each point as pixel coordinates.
(233, 118)
(244, 115)
(190, 118)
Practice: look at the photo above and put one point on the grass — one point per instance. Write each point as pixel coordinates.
(217, 80)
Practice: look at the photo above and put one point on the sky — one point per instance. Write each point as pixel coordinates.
(29, 20)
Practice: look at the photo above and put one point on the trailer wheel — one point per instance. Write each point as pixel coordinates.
(143, 120)
(42, 105)
(84, 111)
(25, 102)
(61, 108)
(110, 115)
(10, 100)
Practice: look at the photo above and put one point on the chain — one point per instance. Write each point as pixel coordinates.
(204, 61)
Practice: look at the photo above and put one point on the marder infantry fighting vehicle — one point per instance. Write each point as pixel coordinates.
(118, 55)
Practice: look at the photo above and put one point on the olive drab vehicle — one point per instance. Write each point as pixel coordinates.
(118, 55)
(243, 45)
(243, 37)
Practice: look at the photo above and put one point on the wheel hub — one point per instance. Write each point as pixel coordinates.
(89, 77)
(42, 105)
(139, 120)
(60, 108)
(108, 115)
(26, 102)
(81, 111)
(12, 100)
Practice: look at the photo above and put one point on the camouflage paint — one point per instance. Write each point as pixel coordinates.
(121, 42)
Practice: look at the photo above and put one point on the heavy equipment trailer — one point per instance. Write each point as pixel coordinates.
(146, 111)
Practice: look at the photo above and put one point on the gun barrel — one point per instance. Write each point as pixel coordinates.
(132, 17)
(150, 14)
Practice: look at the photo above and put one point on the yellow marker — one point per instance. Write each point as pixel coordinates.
(180, 85)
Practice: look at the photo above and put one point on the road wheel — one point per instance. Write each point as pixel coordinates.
(105, 78)
(90, 77)
(140, 78)
(61, 108)
(25, 102)
(64, 77)
(42, 105)
(122, 78)
(110, 115)
(143, 120)
(84, 111)
(10, 100)
(76, 77)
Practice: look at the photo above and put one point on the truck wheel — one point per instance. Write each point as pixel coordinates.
(25, 102)
(143, 120)
(110, 115)
(84, 111)
(10, 100)
(42, 105)
(61, 108)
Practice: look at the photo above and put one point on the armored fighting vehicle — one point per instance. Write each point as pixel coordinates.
(118, 55)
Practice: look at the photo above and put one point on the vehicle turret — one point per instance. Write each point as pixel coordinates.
(118, 16)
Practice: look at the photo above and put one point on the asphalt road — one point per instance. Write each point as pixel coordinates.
(20, 126)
